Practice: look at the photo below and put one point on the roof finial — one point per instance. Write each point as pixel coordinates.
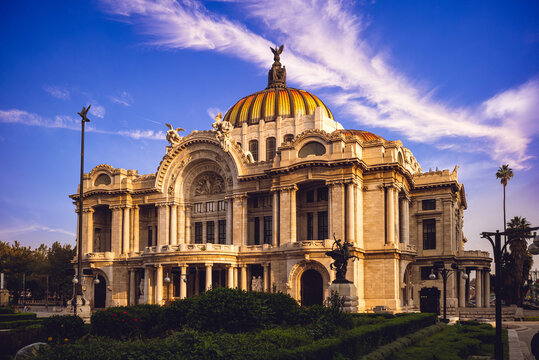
(277, 73)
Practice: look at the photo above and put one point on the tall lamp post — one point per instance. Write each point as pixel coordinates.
(499, 249)
(439, 268)
(77, 280)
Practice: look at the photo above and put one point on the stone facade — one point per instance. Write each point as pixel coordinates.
(258, 206)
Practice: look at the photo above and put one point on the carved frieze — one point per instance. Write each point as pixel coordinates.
(208, 184)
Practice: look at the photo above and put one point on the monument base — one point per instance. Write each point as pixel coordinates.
(83, 308)
(348, 291)
(4, 297)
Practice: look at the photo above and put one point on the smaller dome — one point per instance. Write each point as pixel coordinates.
(361, 134)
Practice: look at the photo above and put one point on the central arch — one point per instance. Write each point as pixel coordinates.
(312, 288)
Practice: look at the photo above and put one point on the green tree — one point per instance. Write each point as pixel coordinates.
(504, 173)
(522, 260)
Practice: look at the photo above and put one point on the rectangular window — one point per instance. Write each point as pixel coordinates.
(198, 207)
(322, 225)
(222, 231)
(322, 194)
(198, 233)
(426, 271)
(310, 196)
(221, 205)
(257, 231)
(310, 224)
(267, 229)
(428, 204)
(210, 232)
(253, 148)
(429, 234)
(150, 236)
(210, 206)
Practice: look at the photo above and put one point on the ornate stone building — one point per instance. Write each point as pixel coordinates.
(255, 203)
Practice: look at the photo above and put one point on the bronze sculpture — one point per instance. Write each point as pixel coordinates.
(340, 253)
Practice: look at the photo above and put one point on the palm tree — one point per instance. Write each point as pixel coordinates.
(504, 173)
(519, 253)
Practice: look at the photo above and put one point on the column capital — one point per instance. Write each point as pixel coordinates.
(88, 210)
(116, 207)
(162, 204)
(239, 196)
(338, 182)
(208, 264)
(292, 187)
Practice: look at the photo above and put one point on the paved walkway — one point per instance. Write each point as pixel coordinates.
(523, 334)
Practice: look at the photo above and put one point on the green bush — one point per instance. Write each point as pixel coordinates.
(58, 328)
(17, 316)
(7, 310)
(128, 321)
(18, 323)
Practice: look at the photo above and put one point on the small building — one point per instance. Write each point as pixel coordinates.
(256, 202)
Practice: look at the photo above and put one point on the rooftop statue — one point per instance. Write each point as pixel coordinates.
(340, 253)
(276, 53)
(172, 135)
(222, 129)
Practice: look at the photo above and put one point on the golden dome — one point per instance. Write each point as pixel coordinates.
(276, 100)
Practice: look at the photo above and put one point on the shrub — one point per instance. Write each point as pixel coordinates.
(18, 323)
(17, 316)
(61, 327)
(128, 321)
(7, 309)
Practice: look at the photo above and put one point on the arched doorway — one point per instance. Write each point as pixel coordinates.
(311, 288)
(100, 293)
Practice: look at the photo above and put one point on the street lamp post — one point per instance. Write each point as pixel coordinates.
(499, 250)
(78, 283)
(439, 267)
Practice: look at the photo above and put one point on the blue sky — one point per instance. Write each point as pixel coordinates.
(456, 81)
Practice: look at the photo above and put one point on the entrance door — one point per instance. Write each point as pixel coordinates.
(100, 293)
(312, 291)
(430, 300)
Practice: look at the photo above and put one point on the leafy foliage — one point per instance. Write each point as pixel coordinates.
(62, 327)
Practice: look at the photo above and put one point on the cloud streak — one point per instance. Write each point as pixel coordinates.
(58, 92)
(331, 52)
(124, 99)
(16, 116)
(32, 228)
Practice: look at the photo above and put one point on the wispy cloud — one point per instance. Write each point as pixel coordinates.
(331, 52)
(124, 99)
(32, 228)
(57, 92)
(65, 122)
(97, 110)
(213, 111)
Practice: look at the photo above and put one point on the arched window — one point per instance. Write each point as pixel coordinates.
(400, 158)
(253, 148)
(102, 179)
(270, 148)
(312, 148)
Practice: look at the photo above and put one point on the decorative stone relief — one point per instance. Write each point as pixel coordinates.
(172, 135)
(209, 184)
(222, 129)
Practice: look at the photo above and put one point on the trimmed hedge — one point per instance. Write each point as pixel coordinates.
(13, 340)
(17, 316)
(359, 340)
(18, 323)
(7, 310)
(58, 328)
(128, 321)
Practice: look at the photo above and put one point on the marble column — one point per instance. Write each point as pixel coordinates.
(183, 281)
(359, 215)
(230, 276)
(88, 222)
(116, 229)
(350, 213)
(336, 210)
(197, 281)
(125, 236)
(236, 277)
(486, 291)
(159, 285)
(209, 268)
(163, 221)
(478, 288)
(147, 275)
(136, 229)
(243, 277)
(187, 224)
(462, 289)
(181, 225)
(239, 226)
(132, 287)
(390, 215)
(287, 207)
(173, 224)
(266, 277)
(404, 220)
(275, 219)
(229, 205)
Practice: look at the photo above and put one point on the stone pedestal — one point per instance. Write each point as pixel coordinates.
(83, 309)
(349, 292)
(4, 297)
